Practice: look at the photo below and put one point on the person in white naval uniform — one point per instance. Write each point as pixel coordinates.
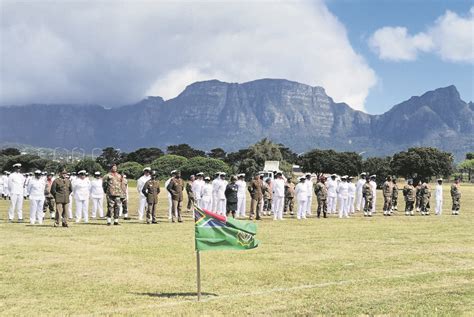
(309, 192)
(278, 187)
(343, 196)
(439, 197)
(206, 194)
(141, 197)
(215, 186)
(302, 197)
(352, 193)
(221, 204)
(5, 192)
(196, 187)
(373, 185)
(80, 191)
(170, 200)
(2, 190)
(16, 182)
(359, 203)
(97, 196)
(35, 191)
(72, 178)
(331, 184)
(241, 195)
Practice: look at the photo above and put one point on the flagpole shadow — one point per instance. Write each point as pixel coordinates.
(175, 294)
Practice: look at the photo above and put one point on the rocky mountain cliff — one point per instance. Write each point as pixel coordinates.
(216, 114)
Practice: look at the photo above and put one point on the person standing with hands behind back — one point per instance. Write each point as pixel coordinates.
(61, 189)
(151, 189)
(231, 196)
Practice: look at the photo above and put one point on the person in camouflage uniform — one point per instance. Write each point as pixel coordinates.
(425, 194)
(113, 189)
(409, 194)
(368, 196)
(124, 198)
(418, 196)
(321, 192)
(151, 189)
(394, 195)
(189, 191)
(289, 196)
(175, 188)
(387, 190)
(456, 196)
(267, 197)
(49, 198)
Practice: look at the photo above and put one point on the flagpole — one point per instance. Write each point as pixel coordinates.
(198, 262)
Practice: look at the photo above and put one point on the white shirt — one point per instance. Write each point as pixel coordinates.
(374, 187)
(332, 188)
(309, 187)
(166, 186)
(141, 183)
(279, 187)
(1, 184)
(16, 181)
(242, 187)
(439, 192)
(301, 191)
(206, 192)
(343, 189)
(197, 188)
(222, 184)
(360, 184)
(96, 189)
(81, 188)
(351, 189)
(215, 186)
(36, 188)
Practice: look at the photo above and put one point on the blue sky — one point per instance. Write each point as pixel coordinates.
(399, 80)
(369, 54)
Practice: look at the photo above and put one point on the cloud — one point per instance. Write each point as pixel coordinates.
(451, 37)
(113, 54)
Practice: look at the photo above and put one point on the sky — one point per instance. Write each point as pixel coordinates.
(371, 54)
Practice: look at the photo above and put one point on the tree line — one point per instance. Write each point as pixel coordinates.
(417, 162)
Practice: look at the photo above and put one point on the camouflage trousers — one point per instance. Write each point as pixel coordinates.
(409, 205)
(267, 204)
(49, 203)
(425, 205)
(456, 203)
(368, 204)
(394, 202)
(190, 203)
(387, 203)
(322, 206)
(289, 204)
(113, 206)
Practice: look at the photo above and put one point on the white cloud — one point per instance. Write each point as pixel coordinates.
(116, 53)
(451, 37)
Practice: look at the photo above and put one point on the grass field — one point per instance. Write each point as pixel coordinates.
(359, 266)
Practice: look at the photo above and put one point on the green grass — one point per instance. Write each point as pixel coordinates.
(359, 266)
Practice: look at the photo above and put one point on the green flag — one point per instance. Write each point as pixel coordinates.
(215, 232)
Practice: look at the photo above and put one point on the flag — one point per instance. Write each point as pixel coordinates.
(216, 232)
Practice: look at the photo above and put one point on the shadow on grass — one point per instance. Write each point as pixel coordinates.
(170, 295)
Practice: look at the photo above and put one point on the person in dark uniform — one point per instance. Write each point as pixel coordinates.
(231, 196)
(175, 188)
(151, 189)
(256, 194)
(113, 188)
(367, 194)
(189, 191)
(49, 202)
(321, 192)
(61, 189)
(289, 196)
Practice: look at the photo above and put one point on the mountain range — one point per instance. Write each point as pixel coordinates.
(212, 114)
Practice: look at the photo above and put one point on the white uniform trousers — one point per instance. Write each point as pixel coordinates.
(198, 203)
(302, 208)
(241, 202)
(97, 205)
(82, 207)
(141, 206)
(206, 203)
(332, 204)
(343, 207)
(360, 201)
(278, 208)
(221, 207)
(309, 202)
(215, 202)
(170, 206)
(350, 203)
(16, 203)
(69, 207)
(439, 207)
(36, 211)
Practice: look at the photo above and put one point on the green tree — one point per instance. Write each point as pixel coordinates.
(217, 153)
(10, 151)
(184, 150)
(25, 161)
(209, 166)
(165, 164)
(380, 166)
(131, 169)
(53, 166)
(250, 167)
(265, 150)
(144, 155)
(108, 157)
(422, 163)
(330, 161)
(39, 164)
(89, 165)
(467, 166)
(470, 156)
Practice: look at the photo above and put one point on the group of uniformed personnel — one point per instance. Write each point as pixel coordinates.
(270, 196)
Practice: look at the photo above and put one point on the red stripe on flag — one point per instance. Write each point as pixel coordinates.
(214, 215)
